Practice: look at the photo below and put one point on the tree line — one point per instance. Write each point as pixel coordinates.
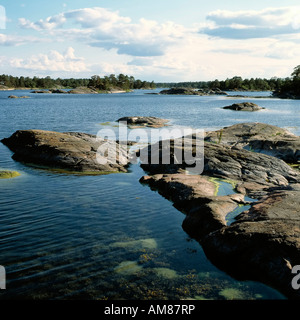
(235, 83)
(112, 81)
(291, 87)
(283, 87)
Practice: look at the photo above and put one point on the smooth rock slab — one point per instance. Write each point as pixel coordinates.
(262, 244)
(259, 137)
(72, 151)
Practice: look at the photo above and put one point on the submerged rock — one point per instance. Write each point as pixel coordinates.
(71, 151)
(127, 268)
(138, 122)
(7, 174)
(244, 106)
(137, 244)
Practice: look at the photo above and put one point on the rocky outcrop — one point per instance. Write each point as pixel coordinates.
(41, 91)
(79, 90)
(244, 106)
(253, 172)
(216, 91)
(58, 91)
(72, 151)
(259, 137)
(18, 97)
(195, 92)
(179, 91)
(286, 95)
(83, 90)
(140, 122)
(262, 243)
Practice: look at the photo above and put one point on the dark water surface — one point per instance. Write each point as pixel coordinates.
(109, 237)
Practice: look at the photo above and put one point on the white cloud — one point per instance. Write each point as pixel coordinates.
(243, 43)
(13, 41)
(107, 29)
(53, 61)
(283, 50)
(96, 17)
(253, 24)
(47, 24)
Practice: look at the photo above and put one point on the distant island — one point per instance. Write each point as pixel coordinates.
(288, 87)
(285, 88)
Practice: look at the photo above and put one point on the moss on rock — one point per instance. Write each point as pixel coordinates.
(7, 174)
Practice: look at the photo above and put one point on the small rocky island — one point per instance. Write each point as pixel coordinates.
(80, 90)
(18, 97)
(244, 106)
(140, 122)
(193, 92)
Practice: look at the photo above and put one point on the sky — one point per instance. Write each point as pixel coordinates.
(161, 41)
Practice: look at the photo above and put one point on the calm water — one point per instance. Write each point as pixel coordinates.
(109, 237)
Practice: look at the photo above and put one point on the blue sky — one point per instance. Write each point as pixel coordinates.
(156, 40)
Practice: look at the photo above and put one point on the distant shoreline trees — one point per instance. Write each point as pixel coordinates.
(235, 83)
(106, 83)
(288, 87)
(291, 87)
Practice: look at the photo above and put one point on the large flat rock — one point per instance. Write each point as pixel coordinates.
(263, 243)
(71, 151)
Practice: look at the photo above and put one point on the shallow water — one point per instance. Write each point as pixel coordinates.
(109, 237)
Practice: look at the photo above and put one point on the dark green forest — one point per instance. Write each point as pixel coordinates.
(235, 83)
(105, 83)
(288, 87)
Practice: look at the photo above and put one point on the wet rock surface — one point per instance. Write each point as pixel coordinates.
(263, 242)
(259, 137)
(71, 151)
